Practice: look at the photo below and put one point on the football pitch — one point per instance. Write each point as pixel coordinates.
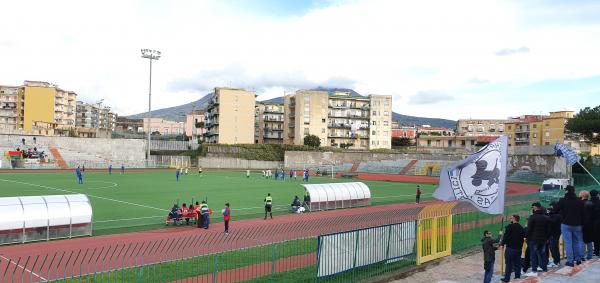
(138, 201)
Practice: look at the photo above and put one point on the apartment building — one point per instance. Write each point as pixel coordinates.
(537, 130)
(37, 103)
(428, 130)
(230, 116)
(268, 127)
(338, 118)
(194, 123)
(94, 116)
(164, 127)
(479, 127)
(8, 107)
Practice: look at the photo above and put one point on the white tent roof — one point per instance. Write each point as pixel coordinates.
(43, 211)
(337, 191)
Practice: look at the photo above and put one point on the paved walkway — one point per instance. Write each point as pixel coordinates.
(468, 268)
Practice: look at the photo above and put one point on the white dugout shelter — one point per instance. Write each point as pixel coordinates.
(337, 195)
(43, 218)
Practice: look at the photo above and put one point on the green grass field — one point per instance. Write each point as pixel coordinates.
(140, 201)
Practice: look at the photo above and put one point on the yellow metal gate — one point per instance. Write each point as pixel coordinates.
(434, 233)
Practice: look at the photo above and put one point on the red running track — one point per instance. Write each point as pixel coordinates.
(36, 262)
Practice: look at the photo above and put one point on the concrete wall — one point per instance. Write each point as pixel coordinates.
(236, 163)
(115, 149)
(525, 167)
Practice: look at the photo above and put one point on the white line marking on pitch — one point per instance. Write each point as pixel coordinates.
(402, 196)
(74, 192)
(22, 267)
(126, 219)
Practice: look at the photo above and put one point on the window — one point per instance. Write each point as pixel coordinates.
(534, 126)
(404, 134)
(323, 120)
(386, 123)
(386, 113)
(449, 143)
(306, 132)
(509, 127)
(547, 124)
(547, 134)
(373, 132)
(547, 143)
(166, 132)
(374, 123)
(322, 131)
(386, 133)
(463, 143)
(428, 142)
(534, 135)
(374, 113)
(472, 142)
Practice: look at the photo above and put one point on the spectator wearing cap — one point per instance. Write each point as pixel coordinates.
(588, 225)
(537, 236)
(596, 217)
(571, 210)
(555, 220)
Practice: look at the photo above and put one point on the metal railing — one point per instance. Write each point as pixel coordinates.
(355, 245)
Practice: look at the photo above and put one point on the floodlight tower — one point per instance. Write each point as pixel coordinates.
(150, 55)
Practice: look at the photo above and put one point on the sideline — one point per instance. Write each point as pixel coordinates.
(75, 192)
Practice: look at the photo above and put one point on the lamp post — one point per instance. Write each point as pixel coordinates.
(150, 55)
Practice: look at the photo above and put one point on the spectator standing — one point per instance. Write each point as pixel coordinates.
(571, 211)
(512, 240)
(23, 141)
(34, 140)
(418, 195)
(489, 255)
(588, 225)
(537, 236)
(204, 211)
(596, 216)
(226, 217)
(555, 220)
(269, 205)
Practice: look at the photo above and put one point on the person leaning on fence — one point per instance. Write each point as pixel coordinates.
(588, 225)
(596, 217)
(555, 219)
(512, 240)
(489, 255)
(537, 236)
(268, 206)
(571, 210)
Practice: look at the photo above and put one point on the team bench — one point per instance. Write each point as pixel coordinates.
(189, 214)
(349, 175)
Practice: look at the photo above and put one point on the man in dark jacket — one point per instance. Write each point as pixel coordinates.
(489, 255)
(596, 239)
(555, 220)
(571, 209)
(512, 239)
(537, 236)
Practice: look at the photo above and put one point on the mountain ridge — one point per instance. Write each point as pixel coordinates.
(177, 113)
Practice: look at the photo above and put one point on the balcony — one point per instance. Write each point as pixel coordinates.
(338, 105)
(339, 126)
(273, 119)
(211, 133)
(521, 140)
(272, 130)
(291, 135)
(273, 111)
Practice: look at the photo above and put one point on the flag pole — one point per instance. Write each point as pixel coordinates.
(588, 172)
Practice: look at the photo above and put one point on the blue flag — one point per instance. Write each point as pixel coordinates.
(570, 155)
(480, 179)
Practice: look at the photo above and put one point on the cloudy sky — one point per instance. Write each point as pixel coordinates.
(449, 59)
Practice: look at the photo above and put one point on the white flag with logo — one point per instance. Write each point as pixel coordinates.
(479, 179)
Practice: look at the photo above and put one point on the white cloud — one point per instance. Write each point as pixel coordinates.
(378, 46)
